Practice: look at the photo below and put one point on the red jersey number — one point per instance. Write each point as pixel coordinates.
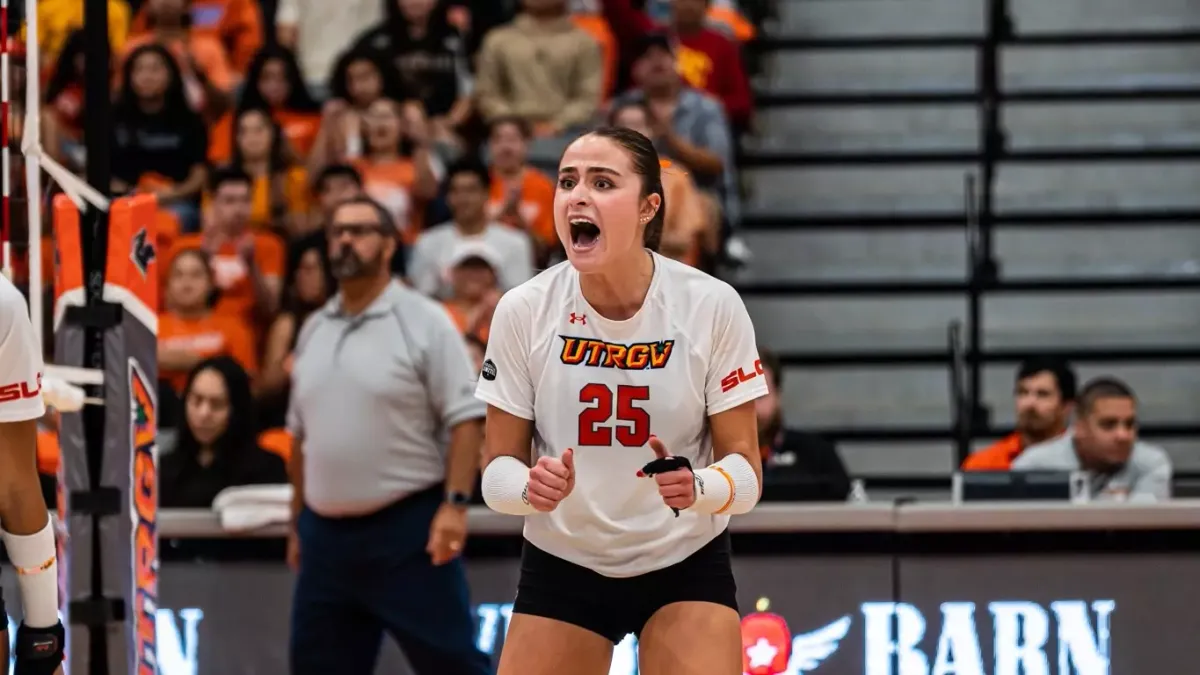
(633, 423)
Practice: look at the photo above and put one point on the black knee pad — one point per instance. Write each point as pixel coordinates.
(39, 651)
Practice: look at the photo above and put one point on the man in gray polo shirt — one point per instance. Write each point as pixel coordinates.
(388, 433)
(1103, 442)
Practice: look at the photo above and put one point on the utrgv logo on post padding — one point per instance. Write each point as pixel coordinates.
(143, 433)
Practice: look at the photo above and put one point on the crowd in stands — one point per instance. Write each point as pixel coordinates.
(249, 120)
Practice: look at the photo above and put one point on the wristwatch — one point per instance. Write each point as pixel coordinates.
(455, 498)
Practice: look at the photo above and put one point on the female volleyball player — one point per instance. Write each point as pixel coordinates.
(27, 531)
(615, 367)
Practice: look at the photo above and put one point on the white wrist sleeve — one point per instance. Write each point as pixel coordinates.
(728, 487)
(505, 485)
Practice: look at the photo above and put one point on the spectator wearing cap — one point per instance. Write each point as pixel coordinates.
(472, 278)
(388, 435)
(1044, 394)
(706, 59)
(543, 69)
(689, 126)
(467, 198)
(1103, 442)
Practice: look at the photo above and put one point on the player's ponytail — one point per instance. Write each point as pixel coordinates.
(646, 164)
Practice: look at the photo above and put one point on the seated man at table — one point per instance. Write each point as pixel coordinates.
(797, 466)
(1103, 442)
(1044, 395)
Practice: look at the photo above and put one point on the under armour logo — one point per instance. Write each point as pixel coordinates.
(581, 318)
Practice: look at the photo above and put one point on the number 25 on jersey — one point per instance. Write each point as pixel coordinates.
(632, 425)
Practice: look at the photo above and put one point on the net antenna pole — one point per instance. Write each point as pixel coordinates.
(5, 158)
(86, 197)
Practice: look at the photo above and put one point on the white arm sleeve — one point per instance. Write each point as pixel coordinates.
(20, 359)
(735, 373)
(728, 487)
(505, 381)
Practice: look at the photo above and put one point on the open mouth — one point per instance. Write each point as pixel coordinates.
(584, 234)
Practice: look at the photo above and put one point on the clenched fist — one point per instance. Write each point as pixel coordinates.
(550, 481)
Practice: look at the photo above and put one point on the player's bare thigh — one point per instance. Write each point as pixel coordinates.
(691, 638)
(536, 645)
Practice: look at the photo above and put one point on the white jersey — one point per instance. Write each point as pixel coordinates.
(603, 387)
(20, 359)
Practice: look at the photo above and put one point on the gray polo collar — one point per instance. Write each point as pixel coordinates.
(381, 306)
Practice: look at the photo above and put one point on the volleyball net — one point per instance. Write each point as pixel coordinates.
(103, 310)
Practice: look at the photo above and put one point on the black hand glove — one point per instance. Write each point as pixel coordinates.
(665, 464)
(39, 651)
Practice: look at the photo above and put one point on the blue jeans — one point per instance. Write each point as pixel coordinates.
(362, 576)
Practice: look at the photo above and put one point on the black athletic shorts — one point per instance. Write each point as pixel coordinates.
(556, 589)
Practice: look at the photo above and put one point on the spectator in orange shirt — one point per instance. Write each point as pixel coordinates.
(158, 141)
(189, 331)
(520, 196)
(279, 201)
(207, 77)
(360, 78)
(397, 165)
(247, 266)
(274, 82)
(1045, 396)
(236, 24)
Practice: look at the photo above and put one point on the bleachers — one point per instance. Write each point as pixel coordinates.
(1026, 168)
